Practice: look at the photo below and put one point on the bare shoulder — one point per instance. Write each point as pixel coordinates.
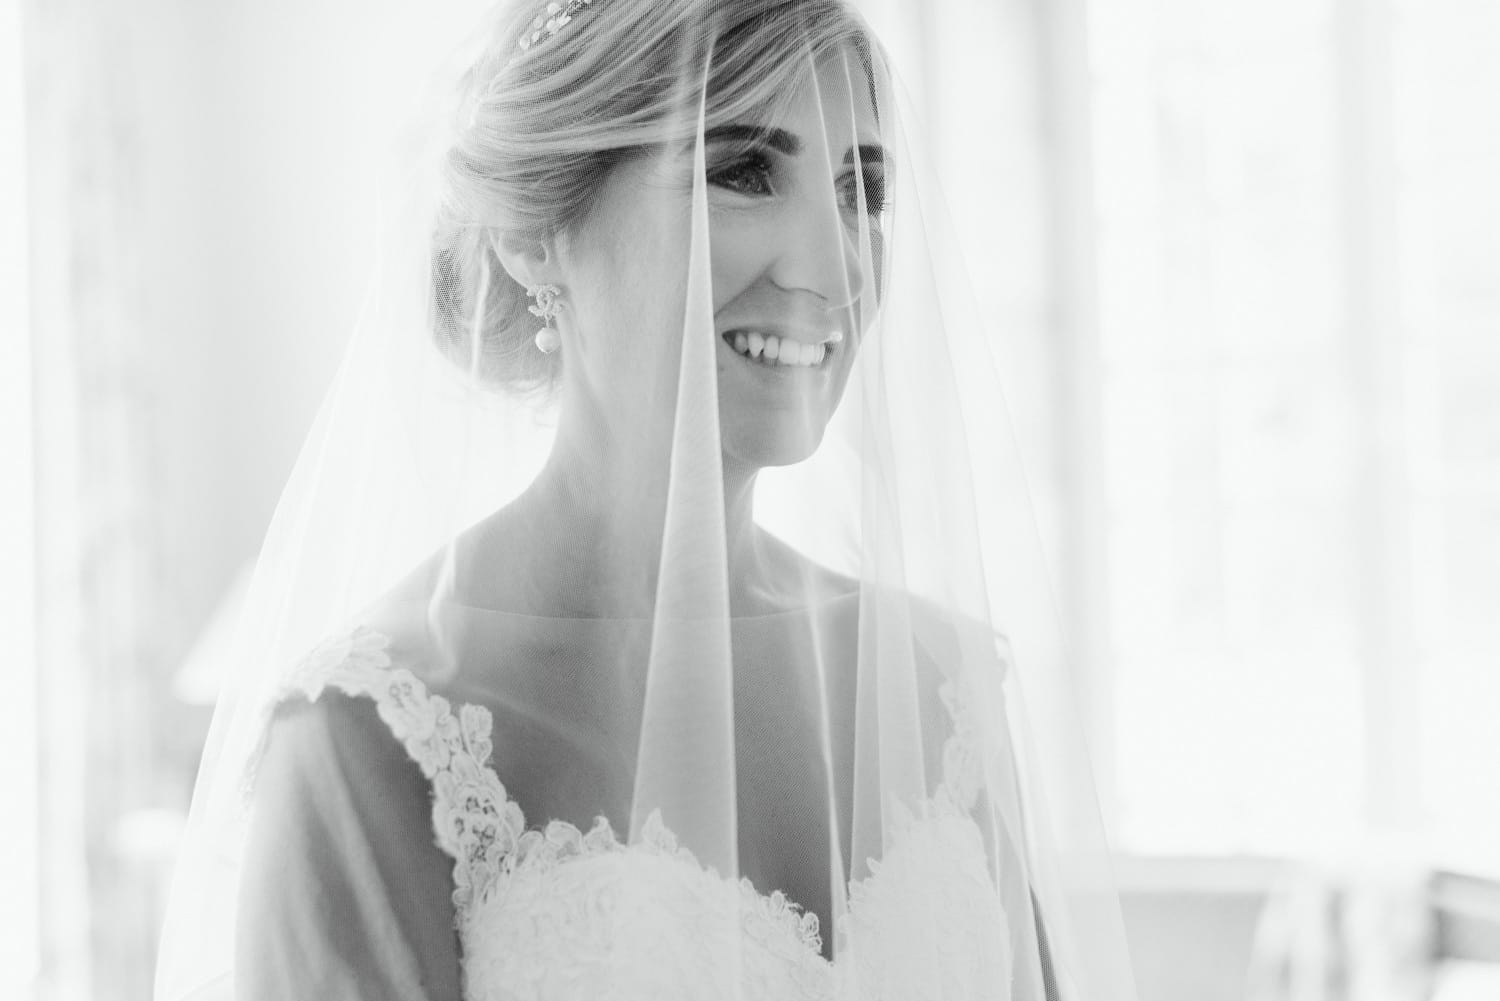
(795, 577)
(335, 748)
(956, 642)
(343, 885)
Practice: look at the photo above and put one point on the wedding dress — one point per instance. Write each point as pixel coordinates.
(656, 609)
(554, 911)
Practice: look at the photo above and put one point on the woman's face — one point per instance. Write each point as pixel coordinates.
(794, 217)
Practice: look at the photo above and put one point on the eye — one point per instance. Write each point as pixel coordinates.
(876, 201)
(748, 175)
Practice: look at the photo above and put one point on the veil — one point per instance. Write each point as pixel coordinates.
(662, 538)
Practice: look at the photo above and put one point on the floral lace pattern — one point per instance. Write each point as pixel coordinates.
(585, 908)
(920, 901)
(474, 819)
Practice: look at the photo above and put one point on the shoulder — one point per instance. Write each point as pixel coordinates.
(365, 708)
(367, 689)
(329, 761)
(946, 638)
(963, 664)
(960, 664)
(336, 733)
(954, 642)
(325, 742)
(788, 579)
(356, 661)
(341, 855)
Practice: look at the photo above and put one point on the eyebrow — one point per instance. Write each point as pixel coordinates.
(868, 153)
(760, 135)
(785, 142)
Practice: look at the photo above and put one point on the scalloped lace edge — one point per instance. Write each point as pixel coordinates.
(484, 830)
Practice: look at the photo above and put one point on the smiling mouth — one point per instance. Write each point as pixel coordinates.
(773, 351)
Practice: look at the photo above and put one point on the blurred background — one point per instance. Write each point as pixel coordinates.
(1245, 263)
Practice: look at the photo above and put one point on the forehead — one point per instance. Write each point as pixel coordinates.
(833, 101)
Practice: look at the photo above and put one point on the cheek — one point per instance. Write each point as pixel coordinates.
(639, 278)
(739, 253)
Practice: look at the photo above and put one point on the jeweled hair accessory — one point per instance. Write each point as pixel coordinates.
(550, 21)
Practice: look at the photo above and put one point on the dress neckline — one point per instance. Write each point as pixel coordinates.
(484, 829)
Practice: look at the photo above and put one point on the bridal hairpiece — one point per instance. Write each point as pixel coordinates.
(550, 21)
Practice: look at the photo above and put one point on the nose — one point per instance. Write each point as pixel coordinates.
(820, 250)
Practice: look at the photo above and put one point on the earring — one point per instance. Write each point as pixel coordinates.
(548, 303)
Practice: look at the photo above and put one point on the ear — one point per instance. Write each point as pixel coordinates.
(530, 260)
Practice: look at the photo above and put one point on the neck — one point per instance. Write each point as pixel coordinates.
(593, 524)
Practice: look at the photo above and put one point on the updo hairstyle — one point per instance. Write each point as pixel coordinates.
(540, 129)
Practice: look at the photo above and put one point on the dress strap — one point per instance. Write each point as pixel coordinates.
(962, 767)
(473, 817)
(973, 696)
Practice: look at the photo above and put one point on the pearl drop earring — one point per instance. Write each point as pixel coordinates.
(548, 303)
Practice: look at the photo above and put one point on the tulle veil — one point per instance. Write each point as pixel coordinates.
(811, 591)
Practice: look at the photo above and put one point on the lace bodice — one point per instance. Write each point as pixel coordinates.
(557, 912)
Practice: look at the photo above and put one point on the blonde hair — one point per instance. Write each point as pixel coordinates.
(545, 126)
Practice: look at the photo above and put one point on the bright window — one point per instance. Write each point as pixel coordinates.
(1296, 235)
(19, 944)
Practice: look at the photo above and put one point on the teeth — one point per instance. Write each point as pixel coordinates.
(772, 350)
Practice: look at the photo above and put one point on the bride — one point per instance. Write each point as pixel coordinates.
(648, 570)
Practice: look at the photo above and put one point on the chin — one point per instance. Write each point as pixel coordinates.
(763, 445)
